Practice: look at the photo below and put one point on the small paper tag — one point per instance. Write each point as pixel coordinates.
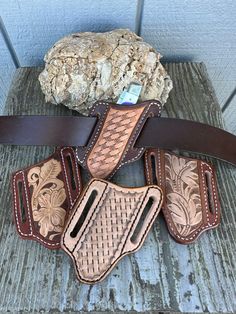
(131, 95)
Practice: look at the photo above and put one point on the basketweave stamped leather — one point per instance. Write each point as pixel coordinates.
(108, 222)
(43, 196)
(191, 203)
(112, 142)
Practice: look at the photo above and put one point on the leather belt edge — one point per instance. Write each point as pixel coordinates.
(164, 133)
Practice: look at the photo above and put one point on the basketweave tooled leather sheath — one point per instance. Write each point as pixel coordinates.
(108, 222)
(112, 142)
(191, 203)
(43, 195)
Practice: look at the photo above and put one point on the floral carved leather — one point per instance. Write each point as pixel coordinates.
(112, 142)
(108, 222)
(191, 203)
(43, 196)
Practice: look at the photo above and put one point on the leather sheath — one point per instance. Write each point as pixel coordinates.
(164, 133)
(112, 142)
(108, 222)
(191, 202)
(43, 195)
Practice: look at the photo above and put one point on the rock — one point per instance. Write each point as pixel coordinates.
(84, 67)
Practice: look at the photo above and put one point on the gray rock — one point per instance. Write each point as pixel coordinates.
(84, 67)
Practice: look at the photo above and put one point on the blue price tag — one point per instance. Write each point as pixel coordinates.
(130, 96)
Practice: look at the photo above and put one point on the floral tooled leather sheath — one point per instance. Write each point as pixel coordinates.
(104, 222)
(43, 196)
(191, 203)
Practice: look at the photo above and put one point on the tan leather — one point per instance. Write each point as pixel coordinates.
(111, 144)
(191, 203)
(43, 196)
(114, 223)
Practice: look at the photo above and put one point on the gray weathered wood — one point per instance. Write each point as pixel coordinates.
(7, 70)
(162, 275)
(230, 116)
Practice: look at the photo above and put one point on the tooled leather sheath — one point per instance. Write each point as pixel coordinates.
(112, 142)
(43, 195)
(107, 223)
(191, 203)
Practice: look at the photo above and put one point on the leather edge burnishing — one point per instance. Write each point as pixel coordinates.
(112, 142)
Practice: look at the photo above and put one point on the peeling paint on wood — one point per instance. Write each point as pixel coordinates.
(162, 275)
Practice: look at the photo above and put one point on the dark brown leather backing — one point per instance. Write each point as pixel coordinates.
(108, 222)
(43, 195)
(191, 202)
(112, 142)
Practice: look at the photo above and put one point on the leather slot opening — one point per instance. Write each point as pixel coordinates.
(138, 228)
(21, 201)
(210, 199)
(84, 213)
(72, 177)
(153, 166)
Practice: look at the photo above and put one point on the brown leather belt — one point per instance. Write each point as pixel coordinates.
(165, 133)
(97, 224)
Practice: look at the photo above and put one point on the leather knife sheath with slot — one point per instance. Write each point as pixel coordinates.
(108, 222)
(157, 132)
(191, 203)
(43, 197)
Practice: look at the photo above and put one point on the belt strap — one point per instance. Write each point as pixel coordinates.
(165, 133)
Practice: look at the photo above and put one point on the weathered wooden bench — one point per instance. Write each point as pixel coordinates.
(162, 275)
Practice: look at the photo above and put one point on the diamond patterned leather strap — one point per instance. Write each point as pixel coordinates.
(112, 142)
(107, 223)
(191, 203)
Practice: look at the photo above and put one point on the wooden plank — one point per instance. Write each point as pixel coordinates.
(230, 116)
(7, 70)
(162, 275)
(196, 31)
(34, 29)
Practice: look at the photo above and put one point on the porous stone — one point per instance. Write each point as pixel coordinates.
(85, 67)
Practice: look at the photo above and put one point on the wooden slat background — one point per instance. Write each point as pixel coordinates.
(162, 275)
(7, 69)
(188, 30)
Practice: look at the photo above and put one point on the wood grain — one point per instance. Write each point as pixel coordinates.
(7, 70)
(33, 29)
(162, 275)
(230, 116)
(192, 30)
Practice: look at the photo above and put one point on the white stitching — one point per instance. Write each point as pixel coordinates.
(100, 123)
(205, 197)
(15, 204)
(204, 193)
(147, 168)
(29, 219)
(140, 150)
(27, 201)
(159, 165)
(144, 116)
(198, 231)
